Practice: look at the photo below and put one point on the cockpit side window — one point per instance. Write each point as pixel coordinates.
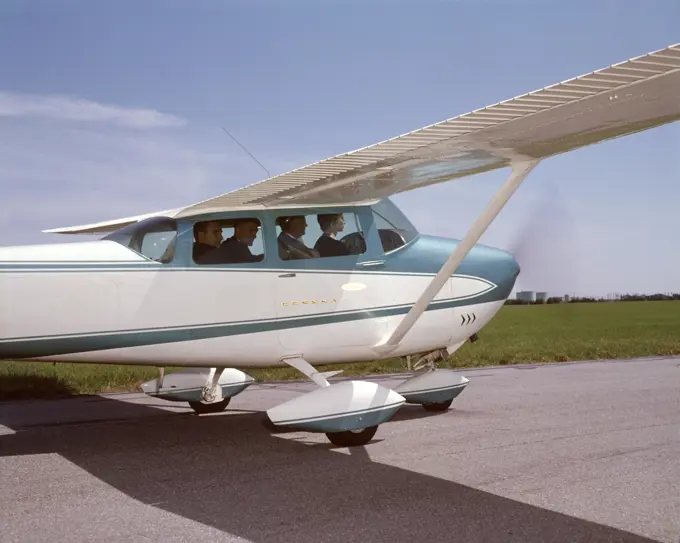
(153, 238)
(321, 235)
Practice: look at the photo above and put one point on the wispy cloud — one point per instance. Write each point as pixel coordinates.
(54, 176)
(68, 108)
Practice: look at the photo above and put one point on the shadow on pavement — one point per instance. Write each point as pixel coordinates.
(228, 472)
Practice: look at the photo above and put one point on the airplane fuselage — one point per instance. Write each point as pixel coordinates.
(117, 307)
(101, 301)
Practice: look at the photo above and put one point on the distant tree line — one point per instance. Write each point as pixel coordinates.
(588, 299)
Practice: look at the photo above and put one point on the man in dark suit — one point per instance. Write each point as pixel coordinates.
(208, 237)
(235, 250)
(290, 245)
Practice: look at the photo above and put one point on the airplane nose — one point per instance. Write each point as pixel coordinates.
(513, 265)
(509, 263)
(500, 266)
(508, 267)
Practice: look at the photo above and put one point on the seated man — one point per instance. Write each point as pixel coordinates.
(235, 249)
(290, 245)
(327, 245)
(208, 236)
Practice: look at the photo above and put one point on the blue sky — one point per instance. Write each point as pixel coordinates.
(113, 109)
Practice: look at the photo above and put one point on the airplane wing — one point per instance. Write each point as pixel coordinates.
(635, 95)
(109, 226)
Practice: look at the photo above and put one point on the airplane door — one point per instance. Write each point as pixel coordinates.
(324, 309)
(325, 303)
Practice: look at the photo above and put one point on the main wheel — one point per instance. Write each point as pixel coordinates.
(352, 438)
(204, 408)
(443, 406)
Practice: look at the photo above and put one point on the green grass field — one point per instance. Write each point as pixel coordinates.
(518, 334)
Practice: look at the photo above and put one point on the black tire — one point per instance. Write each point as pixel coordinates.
(352, 438)
(204, 408)
(443, 406)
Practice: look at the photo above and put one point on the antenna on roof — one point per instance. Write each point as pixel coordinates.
(246, 150)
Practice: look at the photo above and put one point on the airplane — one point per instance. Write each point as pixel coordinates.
(372, 287)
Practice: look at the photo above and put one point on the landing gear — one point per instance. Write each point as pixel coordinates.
(202, 408)
(352, 438)
(206, 390)
(212, 400)
(434, 389)
(348, 413)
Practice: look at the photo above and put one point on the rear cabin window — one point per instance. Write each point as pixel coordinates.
(319, 236)
(233, 241)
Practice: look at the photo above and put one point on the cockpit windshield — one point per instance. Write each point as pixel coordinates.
(394, 228)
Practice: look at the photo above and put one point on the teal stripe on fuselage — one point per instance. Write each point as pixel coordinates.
(59, 345)
(146, 268)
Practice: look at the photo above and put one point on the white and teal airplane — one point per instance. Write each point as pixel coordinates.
(317, 265)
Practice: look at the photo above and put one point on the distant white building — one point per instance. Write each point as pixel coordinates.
(526, 296)
(542, 297)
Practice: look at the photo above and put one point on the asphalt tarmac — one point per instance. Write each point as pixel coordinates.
(571, 452)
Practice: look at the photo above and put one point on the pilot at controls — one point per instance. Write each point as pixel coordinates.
(331, 224)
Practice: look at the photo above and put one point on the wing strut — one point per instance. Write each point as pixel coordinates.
(519, 172)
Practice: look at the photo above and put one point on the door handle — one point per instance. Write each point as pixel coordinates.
(288, 275)
(373, 264)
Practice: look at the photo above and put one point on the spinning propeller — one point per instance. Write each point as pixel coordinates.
(544, 244)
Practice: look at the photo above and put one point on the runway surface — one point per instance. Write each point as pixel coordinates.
(569, 452)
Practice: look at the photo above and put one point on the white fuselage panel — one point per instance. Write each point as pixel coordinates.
(147, 314)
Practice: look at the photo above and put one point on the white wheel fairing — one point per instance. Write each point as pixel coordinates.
(436, 386)
(187, 385)
(350, 405)
(432, 380)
